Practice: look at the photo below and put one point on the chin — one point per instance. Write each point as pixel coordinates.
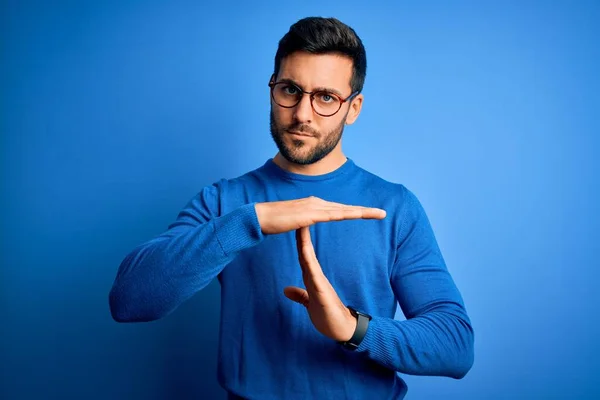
(300, 159)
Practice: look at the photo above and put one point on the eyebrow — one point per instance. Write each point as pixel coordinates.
(317, 89)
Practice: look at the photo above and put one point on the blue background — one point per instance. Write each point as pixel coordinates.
(114, 114)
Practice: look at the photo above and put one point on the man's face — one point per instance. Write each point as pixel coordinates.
(311, 72)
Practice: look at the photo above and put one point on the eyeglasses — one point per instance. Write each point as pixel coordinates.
(324, 103)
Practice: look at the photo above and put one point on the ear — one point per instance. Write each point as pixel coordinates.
(354, 111)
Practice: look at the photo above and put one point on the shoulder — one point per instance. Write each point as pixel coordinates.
(244, 185)
(395, 192)
(402, 204)
(226, 193)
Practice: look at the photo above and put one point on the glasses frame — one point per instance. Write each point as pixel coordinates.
(272, 85)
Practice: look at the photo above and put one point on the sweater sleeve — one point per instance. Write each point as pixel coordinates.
(436, 338)
(159, 275)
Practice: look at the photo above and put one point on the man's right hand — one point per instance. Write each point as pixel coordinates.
(284, 216)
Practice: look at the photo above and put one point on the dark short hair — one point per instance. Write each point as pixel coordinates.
(319, 35)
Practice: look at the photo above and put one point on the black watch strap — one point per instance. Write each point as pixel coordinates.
(362, 323)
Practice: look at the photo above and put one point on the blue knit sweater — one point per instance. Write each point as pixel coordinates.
(268, 348)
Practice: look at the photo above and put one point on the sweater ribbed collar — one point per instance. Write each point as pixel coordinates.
(275, 169)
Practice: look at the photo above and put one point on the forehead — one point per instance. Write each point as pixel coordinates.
(317, 70)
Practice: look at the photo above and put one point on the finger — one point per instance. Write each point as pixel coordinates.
(354, 211)
(306, 251)
(366, 212)
(303, 245)
(299, 247)
(313, 276)
(330, 205)
(297, 294)
(348, 212)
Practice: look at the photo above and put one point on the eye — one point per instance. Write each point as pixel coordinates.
(326, 97)
(290, 89)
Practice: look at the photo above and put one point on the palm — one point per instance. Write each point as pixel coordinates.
(326, 311)
(284, 216)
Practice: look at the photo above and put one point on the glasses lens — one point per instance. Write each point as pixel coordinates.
(286, 95)
(326, 103)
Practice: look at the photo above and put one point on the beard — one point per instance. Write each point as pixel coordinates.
(294, 153)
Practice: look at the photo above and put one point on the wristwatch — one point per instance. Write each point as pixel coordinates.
(361, 329)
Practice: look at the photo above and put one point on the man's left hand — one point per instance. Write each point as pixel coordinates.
(327, 312)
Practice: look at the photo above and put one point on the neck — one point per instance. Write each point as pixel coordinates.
(327, 164)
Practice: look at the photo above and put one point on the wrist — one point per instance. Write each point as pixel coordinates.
(259, 209)
(349, 326)
(362, 323)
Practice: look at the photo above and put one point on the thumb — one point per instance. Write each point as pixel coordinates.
(296, 294)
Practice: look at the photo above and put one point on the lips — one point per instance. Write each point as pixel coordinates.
(299, 133)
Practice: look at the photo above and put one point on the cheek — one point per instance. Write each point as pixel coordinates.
(282, 116)
(331, 126)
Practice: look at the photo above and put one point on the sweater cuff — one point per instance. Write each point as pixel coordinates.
(238, 229)
(374, 343)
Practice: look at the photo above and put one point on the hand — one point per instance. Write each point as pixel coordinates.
(285, 216)
(327, 312)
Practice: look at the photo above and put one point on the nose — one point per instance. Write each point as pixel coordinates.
(303, 111)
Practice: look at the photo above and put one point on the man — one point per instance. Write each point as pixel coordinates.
(302, 320)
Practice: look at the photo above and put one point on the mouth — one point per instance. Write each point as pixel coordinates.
(302, 134)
